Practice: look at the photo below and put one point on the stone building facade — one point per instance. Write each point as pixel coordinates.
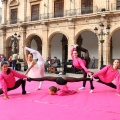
(51, 26)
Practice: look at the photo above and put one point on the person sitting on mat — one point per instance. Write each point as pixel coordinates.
(8, 82)
(62, 81)
(107, 74)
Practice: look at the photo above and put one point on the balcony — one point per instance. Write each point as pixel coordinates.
(60, 14)
(115, 6)
(72, 12)
(12, 21)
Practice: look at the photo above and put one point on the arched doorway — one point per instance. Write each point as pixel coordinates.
(89, 41)
(59, 47)
(34, 42)
(115, 46)
(9, 47)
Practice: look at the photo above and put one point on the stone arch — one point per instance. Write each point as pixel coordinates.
(84, 38)
(114, 43)
(58, 42)
(56, 32)
(13, 2)
(80, 31)
(9, 47)
(113, 30)
(34, 41)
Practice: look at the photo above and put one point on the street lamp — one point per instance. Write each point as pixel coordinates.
(15, 38)
(101, 34)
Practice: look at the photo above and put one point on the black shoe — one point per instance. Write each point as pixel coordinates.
(29, 79)
(24, 92)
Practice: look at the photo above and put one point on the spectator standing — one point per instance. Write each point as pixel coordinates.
(14, 60)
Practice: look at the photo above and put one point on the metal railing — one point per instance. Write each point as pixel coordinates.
(12, 21)
(115, 6)
(66, 13)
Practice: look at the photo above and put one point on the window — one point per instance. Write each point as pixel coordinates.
(35, 12)
(86, 6)
(58, 8)
(13, 19)
(118, 5)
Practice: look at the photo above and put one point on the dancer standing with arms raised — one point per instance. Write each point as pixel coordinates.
(35, 69)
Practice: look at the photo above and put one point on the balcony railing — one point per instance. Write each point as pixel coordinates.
(12, 21)
(72, 12)
(115, 6)
(66, 13)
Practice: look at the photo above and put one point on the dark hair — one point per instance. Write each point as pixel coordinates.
(55, 57)
(30, 54)
(5, 63)
(53, 88)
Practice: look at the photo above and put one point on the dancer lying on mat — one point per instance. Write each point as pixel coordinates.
(81, 64)
(108, 74)
(60, 81)
(35, 69)
(8, 82)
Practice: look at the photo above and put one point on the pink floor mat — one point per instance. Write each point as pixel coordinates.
(103, 104)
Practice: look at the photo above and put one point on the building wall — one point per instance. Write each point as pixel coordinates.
(71, 26)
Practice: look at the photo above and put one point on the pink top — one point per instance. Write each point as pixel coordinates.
(78, 62)
(64, 91)
(8, 80)
(107, 75)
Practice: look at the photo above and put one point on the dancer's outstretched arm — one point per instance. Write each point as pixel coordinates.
(50, 78)
(39, 56)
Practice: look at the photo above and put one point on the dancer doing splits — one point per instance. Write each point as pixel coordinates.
(62, 81)
(108, 74)
(35, 69)
(81, 64)
(8, 82)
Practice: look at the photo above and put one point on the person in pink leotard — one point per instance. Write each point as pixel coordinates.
(35, 69)
(80, 64)
(107, 74)
(8, 81)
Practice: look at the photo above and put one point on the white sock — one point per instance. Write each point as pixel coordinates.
(95, 79)
(82, 88)
(40, 85)
(91, 91)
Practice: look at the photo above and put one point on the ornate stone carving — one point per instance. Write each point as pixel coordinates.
(13, 3)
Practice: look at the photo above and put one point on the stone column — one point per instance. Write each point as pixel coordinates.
(4, 11)
(2, 41)
(45, 42)
(71, 33)
(22, 32)
(107, 50)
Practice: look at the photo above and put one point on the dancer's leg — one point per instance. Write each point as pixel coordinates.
(108, 84)
(53, 79)
(84, 75)
(17, 84)
(1, 91)
(47, 78)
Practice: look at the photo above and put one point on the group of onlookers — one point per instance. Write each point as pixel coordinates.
(52, 64)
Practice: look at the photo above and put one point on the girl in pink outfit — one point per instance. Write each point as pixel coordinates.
(108, 74)
(62, 89)
(35, 69)
(7, 80)
(53, 90)
(80, 64)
